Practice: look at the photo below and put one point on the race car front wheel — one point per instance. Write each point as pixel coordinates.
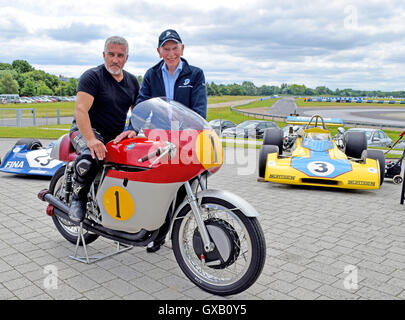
(29, 143)
(274, 136)
(264, 151)
(379, 156)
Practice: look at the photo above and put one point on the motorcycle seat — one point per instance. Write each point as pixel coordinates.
(64, 149)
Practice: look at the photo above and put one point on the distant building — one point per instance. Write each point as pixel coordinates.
(63, 79)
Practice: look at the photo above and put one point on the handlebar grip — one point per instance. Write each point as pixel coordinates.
(150, 155)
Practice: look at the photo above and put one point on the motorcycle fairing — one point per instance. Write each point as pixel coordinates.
(135, 206)
(196, 152)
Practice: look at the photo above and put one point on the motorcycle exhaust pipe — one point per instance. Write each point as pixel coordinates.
(62, 210)
(45, 195)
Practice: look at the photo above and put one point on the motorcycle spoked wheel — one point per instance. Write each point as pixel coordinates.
(240, 252)
(67, 228)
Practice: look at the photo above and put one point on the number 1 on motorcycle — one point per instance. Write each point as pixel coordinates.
(117, 199)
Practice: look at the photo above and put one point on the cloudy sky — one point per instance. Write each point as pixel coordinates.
(339, 44)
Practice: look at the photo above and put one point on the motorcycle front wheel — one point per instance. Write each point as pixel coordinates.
(240, 249)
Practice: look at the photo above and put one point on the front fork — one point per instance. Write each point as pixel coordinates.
(192, 200)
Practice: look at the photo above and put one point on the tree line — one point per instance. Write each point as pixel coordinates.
(248, 88)
(21, 78)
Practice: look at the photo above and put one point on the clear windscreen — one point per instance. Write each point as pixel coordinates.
(165, 114)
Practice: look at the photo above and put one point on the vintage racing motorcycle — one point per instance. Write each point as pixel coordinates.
(154, 186)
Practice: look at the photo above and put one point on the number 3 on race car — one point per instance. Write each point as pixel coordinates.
(320, 168)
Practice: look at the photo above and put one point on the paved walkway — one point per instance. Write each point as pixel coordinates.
(321, 244)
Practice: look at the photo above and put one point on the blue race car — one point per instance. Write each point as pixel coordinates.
(29, 157)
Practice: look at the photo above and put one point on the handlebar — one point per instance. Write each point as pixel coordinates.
(170, 149)
(150, 155)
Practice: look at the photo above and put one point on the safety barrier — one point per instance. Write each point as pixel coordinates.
(28, 117)
(283, 118)
(352, 100)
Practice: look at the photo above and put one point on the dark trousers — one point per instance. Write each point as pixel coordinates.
(85, 167)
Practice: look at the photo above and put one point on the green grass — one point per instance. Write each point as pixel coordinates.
(258, 104)
(221, 99)
(32, 132)
(42, 109)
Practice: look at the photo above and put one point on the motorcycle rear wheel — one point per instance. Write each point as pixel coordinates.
(67, 228)
(245, 249)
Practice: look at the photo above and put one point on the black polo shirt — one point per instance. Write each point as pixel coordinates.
(112, 99)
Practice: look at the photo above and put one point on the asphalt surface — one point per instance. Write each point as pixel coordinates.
(283, 107)
(322, 243)
(386, 116)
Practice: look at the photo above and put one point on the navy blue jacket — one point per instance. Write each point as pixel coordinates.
(189, 88)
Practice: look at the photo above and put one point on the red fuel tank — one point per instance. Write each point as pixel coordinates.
(129, 151)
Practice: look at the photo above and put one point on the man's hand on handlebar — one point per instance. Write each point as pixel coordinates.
(125, 135)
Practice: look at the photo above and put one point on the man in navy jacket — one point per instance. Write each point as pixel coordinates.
(173, 77)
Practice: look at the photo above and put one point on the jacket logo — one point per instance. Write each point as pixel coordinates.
(186, 82)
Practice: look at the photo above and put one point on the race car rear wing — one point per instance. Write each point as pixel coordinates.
(304, 120)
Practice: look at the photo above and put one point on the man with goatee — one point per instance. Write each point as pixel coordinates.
(104, 96)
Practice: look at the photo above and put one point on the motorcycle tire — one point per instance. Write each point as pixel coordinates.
(66, 228)
(244, 253)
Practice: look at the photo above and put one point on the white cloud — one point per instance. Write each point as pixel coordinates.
(358, 44)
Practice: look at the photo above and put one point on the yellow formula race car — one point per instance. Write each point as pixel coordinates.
(316, 160)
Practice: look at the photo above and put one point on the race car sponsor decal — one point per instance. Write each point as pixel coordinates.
(14, 165)
(361, 183)
(372, 170)
(17, 149)
(271, 163)
(281, 176)
(37, 171)
(41, 159)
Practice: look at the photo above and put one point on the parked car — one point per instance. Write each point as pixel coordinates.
(375, 137)
(220, 125)
(249, 129)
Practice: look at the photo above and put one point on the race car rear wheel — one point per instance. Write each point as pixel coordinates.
(355, 144)
(274, 136)
(30, 143)
(264, 151)
(379, 156)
